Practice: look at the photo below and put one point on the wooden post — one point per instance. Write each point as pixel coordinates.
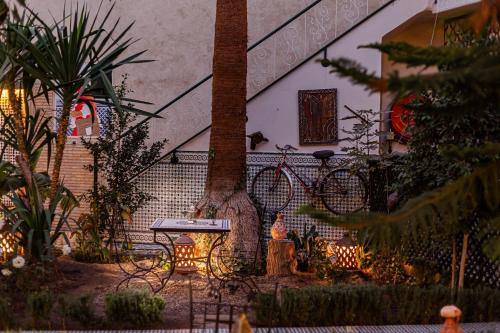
(463, 259)
(280, 257)
(451, 315)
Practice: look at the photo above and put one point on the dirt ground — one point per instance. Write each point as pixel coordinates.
(99, 279)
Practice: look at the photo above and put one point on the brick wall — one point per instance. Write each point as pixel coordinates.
(73, 175)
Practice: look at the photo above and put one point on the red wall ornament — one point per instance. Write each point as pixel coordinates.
(402, 117)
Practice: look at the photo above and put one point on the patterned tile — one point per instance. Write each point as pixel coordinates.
(178, 186)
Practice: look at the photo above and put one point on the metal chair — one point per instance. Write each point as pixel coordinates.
(215, 315)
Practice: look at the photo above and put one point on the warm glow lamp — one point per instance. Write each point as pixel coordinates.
(6, 245)
(184, 255)
(345, 253)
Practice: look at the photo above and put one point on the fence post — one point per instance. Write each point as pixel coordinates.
(451, 315)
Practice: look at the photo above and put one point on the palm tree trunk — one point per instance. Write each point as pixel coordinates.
(225, 187)
(60, 144)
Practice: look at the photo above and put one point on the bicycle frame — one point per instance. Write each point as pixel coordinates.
(288, 169)
(340, 188)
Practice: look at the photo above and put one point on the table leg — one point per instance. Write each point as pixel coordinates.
(222, 270)
(151, 271)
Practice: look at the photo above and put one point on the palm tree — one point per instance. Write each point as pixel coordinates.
(225, 188)
(69, 58)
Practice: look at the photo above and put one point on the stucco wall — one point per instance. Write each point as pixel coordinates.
(275, 112)
(177, 34)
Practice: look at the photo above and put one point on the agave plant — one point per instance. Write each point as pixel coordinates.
(69, 58)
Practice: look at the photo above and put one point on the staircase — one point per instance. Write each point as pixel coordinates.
(295, 42)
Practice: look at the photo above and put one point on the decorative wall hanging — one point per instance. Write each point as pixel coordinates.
(401, 118)
(86, 118)
(318, 117)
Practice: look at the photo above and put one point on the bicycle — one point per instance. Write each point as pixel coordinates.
(341, 190)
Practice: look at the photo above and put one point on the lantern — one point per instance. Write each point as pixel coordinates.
(345, 253)
(184, 255)
(6, 244)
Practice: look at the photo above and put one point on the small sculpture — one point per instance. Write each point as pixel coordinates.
(278, 230)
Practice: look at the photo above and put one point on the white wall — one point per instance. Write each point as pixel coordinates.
(275, 112)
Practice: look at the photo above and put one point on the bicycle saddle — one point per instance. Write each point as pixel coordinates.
(323, 154)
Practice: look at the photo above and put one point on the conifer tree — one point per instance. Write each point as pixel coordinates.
(451, 175)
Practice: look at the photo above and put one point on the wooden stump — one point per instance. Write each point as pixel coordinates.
(280, 257)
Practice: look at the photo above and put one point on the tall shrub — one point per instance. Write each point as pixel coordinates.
(118, 158)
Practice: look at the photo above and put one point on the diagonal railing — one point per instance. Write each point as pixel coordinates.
(272, 58)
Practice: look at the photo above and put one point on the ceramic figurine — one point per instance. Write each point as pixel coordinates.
(278, 230)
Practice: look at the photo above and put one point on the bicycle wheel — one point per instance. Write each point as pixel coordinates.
(272, 189)
(344, 191)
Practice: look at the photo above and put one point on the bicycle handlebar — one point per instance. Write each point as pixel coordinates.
(286, 148)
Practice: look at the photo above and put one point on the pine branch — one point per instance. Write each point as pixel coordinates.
(414, 56)
(464, 194)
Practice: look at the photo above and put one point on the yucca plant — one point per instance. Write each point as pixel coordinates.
(29, 217)
(36, 137)
(36, 222)
(69, 58)
(10, 7)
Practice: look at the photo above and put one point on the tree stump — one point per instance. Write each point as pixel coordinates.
(280, 257)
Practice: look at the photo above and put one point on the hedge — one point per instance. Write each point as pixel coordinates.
(373, 305)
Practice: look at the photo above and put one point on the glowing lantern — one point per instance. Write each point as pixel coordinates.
(184, 255)
(6, 244)
(345, 253)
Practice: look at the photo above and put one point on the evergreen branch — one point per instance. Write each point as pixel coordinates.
(464, 194)
(347, 68)
(414, 56)
(471, 69)
(488, 150)
(490, 237)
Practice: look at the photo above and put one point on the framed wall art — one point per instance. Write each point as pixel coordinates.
(318, 117)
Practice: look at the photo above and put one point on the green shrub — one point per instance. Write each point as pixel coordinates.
(80, 309)
(5, 314)
(135, 306)
(373, 305)
(40, 304)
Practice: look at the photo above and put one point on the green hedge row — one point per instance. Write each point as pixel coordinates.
(373, 305)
